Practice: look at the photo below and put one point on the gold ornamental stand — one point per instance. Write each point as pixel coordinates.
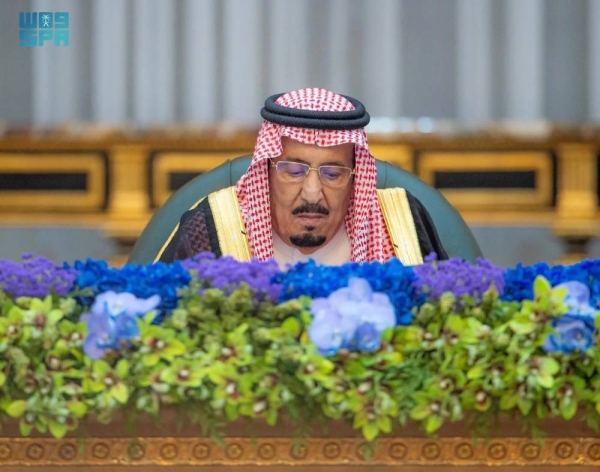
(568, 447)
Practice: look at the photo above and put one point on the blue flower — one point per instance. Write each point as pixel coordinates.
(116, 304)
(519, 281)
(390, 278)
(101, 334)
(572, 334)
(367, 338)
(578, 302)
(574, 330)
(352, 317)
(143, 281)
(327, 333)
(113, 319)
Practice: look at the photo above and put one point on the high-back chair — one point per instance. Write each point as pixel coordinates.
(456, 237)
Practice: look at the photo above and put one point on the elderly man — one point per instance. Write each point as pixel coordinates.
(310, 192)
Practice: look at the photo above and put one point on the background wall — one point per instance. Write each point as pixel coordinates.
(167, 62)
(158, 61)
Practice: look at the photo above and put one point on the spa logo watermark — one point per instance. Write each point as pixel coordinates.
(43, 27)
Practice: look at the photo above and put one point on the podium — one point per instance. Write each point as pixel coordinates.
(158, 445)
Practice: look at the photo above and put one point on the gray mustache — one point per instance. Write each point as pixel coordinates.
(310, 208)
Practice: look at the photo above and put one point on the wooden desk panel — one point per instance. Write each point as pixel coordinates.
(558, 175)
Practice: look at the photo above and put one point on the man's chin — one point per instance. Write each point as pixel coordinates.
(308, 240)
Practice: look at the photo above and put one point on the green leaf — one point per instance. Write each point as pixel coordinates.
(420, 412)
(558, 294)
(355, 369)
(120, 392)
(150, 360)
(545, 380)
(447, 302)
(550, 366)
(468, 336)
(568, 408)
(370, 431)
(360, 419)
(101, 368)
(175, 348)
(168, 376)
(292, 327)
(25, 428)
(508, 401)
(78, 409)
(541, 410)
(521, 327)
(2, 378)
(231, 411)
(58, 430)
(122, 368)
(475, 372)
(433, 423)
(55, 316)
(384, 423)
(271, 417)
(387, 335)
(454, 323)
(149, 317)
(525, 406)
(541, 287)
(474, 324)
(15, 313)
(16, 408)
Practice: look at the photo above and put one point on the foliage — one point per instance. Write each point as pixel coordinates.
(230, 349)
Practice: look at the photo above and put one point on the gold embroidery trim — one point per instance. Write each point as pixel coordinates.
(335, 453)
(229, 224)
(400, 224)
(172, 235)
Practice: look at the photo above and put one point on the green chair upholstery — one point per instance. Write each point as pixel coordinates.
(456, 237)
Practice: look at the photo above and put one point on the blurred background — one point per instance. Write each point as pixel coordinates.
(494, 102)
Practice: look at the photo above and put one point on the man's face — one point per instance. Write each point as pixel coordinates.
(308, 214)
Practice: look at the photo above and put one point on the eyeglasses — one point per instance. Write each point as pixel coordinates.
(296, 172)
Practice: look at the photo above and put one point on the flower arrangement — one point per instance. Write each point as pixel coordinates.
(374, 344)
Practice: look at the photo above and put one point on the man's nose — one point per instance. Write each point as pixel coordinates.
(312, 188)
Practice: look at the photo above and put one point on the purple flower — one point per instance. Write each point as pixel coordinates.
(35, 277)
(575, 329)
(352, 317)
(227, 273)
(457, 276)
(113, 318)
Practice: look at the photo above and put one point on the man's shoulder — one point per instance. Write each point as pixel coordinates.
(203, 204)
(394, 193)
(397, 192)
(226, 192)
(394, 190)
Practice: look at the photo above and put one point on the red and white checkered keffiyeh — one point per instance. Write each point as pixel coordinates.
(365, 225)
